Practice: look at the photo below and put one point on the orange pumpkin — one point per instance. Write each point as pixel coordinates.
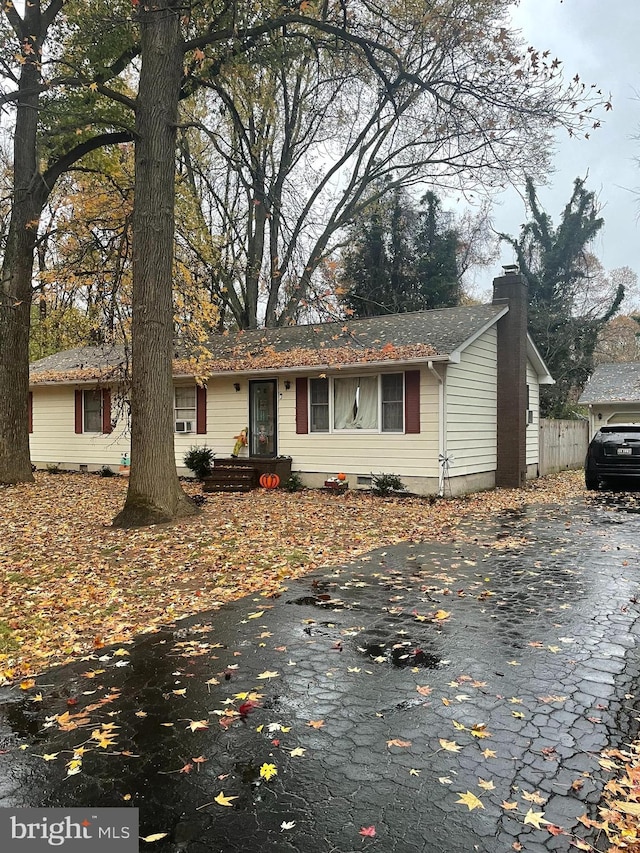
(269, 481)
(342, 477)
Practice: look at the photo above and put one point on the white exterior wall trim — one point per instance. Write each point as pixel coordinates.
(442, 450)
(454, 357)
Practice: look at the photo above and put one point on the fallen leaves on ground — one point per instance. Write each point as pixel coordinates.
(71, 583)
(620, 811)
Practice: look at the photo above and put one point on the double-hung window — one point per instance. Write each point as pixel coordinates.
(367, 403)
(92, 411)
(185, 409)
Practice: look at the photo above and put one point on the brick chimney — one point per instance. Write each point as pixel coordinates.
(511, 289)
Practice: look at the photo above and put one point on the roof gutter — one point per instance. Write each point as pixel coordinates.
(295, 370)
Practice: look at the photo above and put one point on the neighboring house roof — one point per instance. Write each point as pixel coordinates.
(613, 383)
(419, 336)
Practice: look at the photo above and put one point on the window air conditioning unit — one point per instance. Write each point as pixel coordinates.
(184, 426)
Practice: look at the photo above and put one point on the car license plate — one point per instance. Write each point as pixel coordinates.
(624, 451)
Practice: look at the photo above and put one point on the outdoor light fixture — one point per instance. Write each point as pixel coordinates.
(287, 384)
(236, 385)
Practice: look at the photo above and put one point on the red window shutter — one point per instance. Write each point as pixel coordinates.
(79, 412)
(302, 406)
(30, 411)
(106, 411)
(201, 410)
(412, 401)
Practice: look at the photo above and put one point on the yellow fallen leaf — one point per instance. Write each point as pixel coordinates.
(471, 801)
(449, 745)
(488, 753)
(508, 806)
(221, 800)
(414, 772)
(297, 752)
(256, 615)
(196, 725)
(627, 808)
(50, 756)
(535, 818)
(486, 784)
(268, 674)
(315, 724)
(533, 797)
(267, 771)
(441, 615)
(155, 837)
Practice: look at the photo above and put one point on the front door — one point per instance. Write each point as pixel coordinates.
(262, 418)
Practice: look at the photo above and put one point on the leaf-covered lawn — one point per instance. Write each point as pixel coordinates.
(70, 583)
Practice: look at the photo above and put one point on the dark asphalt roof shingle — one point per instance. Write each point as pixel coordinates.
(614, 383)
(391, 337)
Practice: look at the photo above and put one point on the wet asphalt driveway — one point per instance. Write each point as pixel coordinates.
(432, 696)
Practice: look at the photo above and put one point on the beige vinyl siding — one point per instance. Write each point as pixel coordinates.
(533, 429)
(227, 414)
(54, 440)
(362, 453)
(612, 413)
(471, 399)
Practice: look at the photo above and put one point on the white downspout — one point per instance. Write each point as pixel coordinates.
(442, 449)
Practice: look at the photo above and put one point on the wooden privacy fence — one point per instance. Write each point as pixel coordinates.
(563, 445)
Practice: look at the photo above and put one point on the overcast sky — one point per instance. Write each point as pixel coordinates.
(600, 42)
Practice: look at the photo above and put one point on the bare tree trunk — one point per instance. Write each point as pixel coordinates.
(154, 494)
(29, 196)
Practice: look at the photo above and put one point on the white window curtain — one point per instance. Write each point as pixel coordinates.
(355, 403)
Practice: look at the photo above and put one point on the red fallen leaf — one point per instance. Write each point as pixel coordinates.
(275, 742)
(187, 768)
(247, 707)
(368, 831)
(71, 702)
(555, 830)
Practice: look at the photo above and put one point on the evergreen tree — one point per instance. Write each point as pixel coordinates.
(436, 254)
(563, 319)
(401, 258)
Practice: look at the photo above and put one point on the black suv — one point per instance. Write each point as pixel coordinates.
(614, 452)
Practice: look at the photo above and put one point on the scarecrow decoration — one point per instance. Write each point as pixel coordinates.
(241, 441)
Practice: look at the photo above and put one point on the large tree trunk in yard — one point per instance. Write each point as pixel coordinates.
(154, 494)
(29, 196)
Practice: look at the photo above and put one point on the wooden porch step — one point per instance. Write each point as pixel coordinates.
(230, 479)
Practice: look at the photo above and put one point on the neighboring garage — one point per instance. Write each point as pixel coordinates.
(613, 395)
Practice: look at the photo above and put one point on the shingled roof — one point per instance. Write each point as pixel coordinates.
(393, 337)
(613, 383)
